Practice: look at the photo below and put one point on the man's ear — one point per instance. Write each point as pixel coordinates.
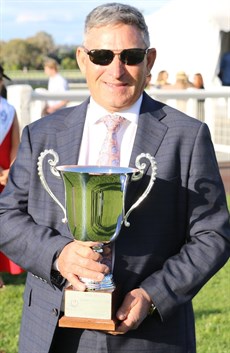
(81, 59)
(151, 57)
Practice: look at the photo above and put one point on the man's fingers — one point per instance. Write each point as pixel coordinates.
(78, 259)
(76, 283)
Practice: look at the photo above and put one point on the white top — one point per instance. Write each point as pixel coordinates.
(94, 133)
(7, 113)
(56, 84)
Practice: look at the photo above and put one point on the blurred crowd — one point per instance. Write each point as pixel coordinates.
(181, 81)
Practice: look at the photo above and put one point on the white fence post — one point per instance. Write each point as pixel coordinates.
(20, 97)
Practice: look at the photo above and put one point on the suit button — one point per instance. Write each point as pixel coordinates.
(55, 311)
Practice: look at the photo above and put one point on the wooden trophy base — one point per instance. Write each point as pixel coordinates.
(89, 310)
(89, 324)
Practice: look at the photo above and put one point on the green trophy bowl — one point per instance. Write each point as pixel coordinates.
(95, 199)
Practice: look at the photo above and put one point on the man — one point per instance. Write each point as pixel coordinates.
(179, 236)
(224, 73)
(56, 84)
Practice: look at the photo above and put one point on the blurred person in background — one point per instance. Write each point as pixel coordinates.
(162, 79)
(56, 84)
(224, 73)
(198, 81)
(3, 90)
(182, 81)
(9, 142)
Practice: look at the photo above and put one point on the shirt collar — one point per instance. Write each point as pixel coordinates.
(95, 111)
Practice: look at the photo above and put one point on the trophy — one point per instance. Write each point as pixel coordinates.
(95, 211)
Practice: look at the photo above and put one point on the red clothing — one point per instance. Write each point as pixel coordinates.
(6, 265)
(5, 147)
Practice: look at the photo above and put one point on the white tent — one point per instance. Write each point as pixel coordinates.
(187, 36)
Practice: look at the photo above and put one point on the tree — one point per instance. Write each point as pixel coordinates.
(43, 44)
(69, 64)
(31, 52)
(16, 54)
(67, 56)
(43, 41)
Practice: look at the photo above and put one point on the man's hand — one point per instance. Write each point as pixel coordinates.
(133, 310)
(77, 259)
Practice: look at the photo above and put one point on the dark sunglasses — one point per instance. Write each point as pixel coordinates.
(104, 57)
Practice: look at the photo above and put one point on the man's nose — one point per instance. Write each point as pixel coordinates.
(116, 68)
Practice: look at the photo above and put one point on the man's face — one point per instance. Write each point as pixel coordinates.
(115, 86)
(49, 71)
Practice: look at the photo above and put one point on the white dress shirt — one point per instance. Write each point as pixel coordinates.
(94, 133)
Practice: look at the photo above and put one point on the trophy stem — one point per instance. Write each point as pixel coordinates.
(106, 284)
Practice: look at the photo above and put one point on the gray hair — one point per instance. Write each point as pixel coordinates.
(114, 13)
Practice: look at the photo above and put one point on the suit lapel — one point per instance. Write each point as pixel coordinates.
(150, 130)
(149, 136)
(69, 139)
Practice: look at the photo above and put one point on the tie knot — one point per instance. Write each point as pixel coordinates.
(113, 122)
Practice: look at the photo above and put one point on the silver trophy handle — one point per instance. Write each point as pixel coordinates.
(54, 171)
(136, 176)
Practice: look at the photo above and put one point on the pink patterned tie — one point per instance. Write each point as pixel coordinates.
(109, 156)
(110, 151)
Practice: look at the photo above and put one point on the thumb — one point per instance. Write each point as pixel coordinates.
(125, 308)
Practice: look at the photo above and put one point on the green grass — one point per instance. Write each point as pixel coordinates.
(211, 305)
(228, 201)
(212, 313)
(40, 74)
(10, 312)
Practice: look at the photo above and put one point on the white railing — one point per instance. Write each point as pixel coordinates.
(210, 105)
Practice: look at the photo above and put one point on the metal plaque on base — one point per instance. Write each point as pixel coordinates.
(90, 310)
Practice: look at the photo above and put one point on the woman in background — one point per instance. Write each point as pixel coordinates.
(198, 81)
(162, 79)
(9, 141)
